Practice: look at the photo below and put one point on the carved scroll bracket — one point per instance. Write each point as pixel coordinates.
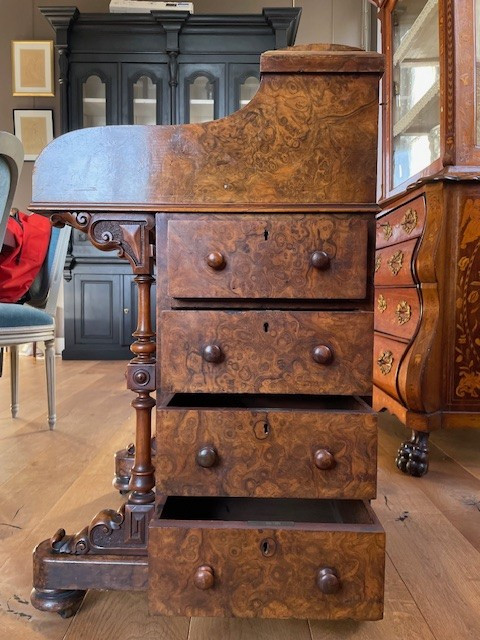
(123, 532)
(131, 235)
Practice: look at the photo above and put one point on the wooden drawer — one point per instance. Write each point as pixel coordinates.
(387, 357)
(401, 224)
(266, 446)
(266, 558)
(397, 311)
(393, 265)
(266, 352)
(295, 256)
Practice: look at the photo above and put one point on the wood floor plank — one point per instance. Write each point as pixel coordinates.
(123, 615)
(439, 567)
(462, 445)
(402, 620)
(248, 629)
(448, 485)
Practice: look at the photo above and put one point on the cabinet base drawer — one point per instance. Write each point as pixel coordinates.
(266, 558)
(266, 446)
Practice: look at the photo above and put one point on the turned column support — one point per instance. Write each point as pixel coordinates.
(141, 380)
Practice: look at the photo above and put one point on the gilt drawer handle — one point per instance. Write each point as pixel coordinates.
(385, 362)
(320, 260)
(387, 230)
(212, 353)
(403, 312)
(324, 460)
(395, 263)
(207, 457)
(381, 304)
(216, 260)
(410, 220)
(322, 354)
(328, 581)
(378, 262)
(204, 577)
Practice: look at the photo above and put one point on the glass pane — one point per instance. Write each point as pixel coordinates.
(416, 87)
(248, 89)
(202, 103)
(94, 102)
(144, 101)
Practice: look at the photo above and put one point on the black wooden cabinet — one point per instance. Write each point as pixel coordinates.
(165, 67)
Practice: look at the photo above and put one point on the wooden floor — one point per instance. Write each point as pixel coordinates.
(62, 478)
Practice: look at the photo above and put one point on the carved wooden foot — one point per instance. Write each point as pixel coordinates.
(412, 457)
(65, 602)
(124, 461)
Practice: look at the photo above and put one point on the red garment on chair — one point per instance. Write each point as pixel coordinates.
(20, 264)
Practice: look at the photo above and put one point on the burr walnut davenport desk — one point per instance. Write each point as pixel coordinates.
(262, 228)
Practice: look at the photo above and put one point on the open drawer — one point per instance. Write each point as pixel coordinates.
(271, 558)
(266, 446)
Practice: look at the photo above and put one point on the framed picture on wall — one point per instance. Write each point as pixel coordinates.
(34, 127)
(32, 68)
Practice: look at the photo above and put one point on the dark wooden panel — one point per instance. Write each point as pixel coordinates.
(97, 302)
(393, 265)
(266, 351)
(266, 453)
(404, 223)
(265, 569)
(397, 311)
(268, 257)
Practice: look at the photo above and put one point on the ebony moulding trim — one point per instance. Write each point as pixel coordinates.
(131, 236)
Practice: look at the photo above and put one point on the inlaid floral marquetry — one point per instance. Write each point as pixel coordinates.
(395, 263)
(378, 263)
(381, 304)
(403, 312)
(410, 220)
(387, 230)
(385, 362)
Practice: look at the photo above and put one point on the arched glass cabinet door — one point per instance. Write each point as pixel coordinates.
(201, 99)
(144, 101)
(94, 102)
(248, 88)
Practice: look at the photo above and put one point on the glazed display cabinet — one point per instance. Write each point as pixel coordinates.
(427, 284)
(164, 67)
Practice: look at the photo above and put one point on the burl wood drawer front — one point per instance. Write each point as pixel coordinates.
(266, 352)
(393, 265)
(296, 256)
(402, 224)
(269, 565)
(276, 454)
(387, 357)
(397, 311)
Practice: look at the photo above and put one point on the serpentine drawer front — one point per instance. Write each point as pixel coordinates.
(268, 558)
(303, 448)
(266, 351)
(404, 223)
(268, 256)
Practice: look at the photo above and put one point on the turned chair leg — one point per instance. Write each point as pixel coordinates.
(14, 379)
(50, 371)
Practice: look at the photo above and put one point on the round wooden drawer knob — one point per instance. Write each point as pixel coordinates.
(207, 457)
(322, 354)
(327, 581)
(216, 260)
(320, 260)
(204, 578)
(324, 460)
(212, 353)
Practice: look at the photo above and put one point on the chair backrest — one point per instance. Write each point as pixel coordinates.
(45, 287)
(11, 160)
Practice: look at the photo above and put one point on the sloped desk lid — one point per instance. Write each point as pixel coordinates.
(308, 137)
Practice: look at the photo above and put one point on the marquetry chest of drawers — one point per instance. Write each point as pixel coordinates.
(263, 226)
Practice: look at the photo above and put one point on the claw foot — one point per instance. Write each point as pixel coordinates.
(412, 457)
